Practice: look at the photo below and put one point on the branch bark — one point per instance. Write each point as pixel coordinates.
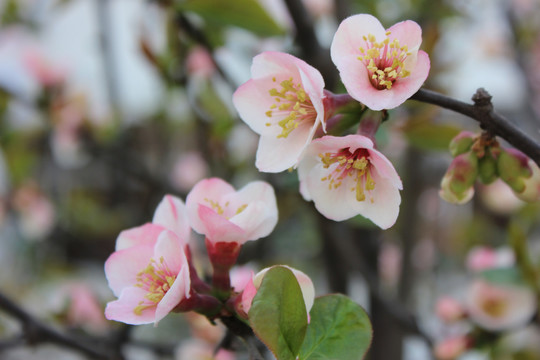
(482, 111)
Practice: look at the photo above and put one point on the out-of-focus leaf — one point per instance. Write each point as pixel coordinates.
(339, 329)
(278, 313)
(247, 14)
(430, 136)
(503, 276)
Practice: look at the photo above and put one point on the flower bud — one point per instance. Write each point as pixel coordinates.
(456, 185)
(532, 185)
(462, 143)
(487, 169)
(513, 168)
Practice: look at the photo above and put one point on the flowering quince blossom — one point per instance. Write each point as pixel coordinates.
(449, 309)
(250, 290)
(500, 307)
(380, 68)
(149, 273)
(223, 214)
(285, 103)
(345, 176)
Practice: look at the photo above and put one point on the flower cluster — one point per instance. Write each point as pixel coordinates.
(151, 272)
(286, 104)
(481, 157)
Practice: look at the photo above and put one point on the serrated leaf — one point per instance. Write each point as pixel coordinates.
(430, 136)
(247, 14)
(278, 313)
(339, 329)
(503, 276)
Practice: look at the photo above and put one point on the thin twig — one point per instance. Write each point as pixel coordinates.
(482, 111)
(37, 332)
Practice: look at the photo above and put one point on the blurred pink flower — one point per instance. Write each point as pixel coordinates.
(149, 275)
(36, 212)
(284, 103)
(482, 258)
(345, 176)
(203, 329)
(188, 169)
(380, 68)
(44, 72)
(84, 309)
(500, 307)
(451, 348)
(499, 198)
(306, 286)
(200, 350)
(223, 214)
(199, 62)
(449, 309)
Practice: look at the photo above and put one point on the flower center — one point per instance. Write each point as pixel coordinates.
(292, 103)
(156, 279)
(384, 61)
(356, 165)
(222, 209)
(494, 307)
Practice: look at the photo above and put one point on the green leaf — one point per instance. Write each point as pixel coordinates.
(339, 329)
(503, 276)
(247, 14)
(430, 136)
(278, 313)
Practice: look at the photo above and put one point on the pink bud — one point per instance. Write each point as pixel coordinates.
(451, 348)
(457, 183)
(449, 310)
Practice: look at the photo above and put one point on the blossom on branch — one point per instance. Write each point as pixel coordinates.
(284, 102)
(380, 68)
(149, 275)
(223, 214)
(346, 176)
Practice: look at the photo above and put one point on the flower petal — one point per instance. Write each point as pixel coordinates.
(171, 214)
(219, 229)
(178, 291)
(122, 267)
(123, 309)
(145, 234)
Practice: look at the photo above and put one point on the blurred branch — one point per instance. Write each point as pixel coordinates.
(107, 50)
(244, 332)
(36, 332)
(482, 111)
(307, 40)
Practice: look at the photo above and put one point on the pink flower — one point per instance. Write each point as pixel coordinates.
(500, 307)
(449, 309)
(149, 273)
(188, 169)
(84, 309)
(346, 176)
(199, 350)
(451, 348)
(171, 213)
(223, 214)
(306, 286)
(284, 103)
(380, 68)
(483, 258)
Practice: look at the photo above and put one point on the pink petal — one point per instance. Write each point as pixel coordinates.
(145, 234)
(247, 296)
(178, 291)
(385, 168)
(171, 214)
(407, 33)
(123, 309)
(258, 220)
(219, 229)
(208, 189)
(271, 63)
(171, 249)
(404, 88)
(278, 154)
(122, 267)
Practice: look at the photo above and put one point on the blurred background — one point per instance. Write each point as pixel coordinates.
(108, 105)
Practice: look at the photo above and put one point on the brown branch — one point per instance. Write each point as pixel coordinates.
(36, 332)
(482, 111)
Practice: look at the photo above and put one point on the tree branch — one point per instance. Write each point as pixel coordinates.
(36, 332)
(482, 111)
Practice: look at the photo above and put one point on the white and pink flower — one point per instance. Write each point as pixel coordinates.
(482, 258)
(284, 102)
(500, 307)
(345, 176)
(149, 273)
(380, 68)
(250, 290)
(449, 309)
(223, 214)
